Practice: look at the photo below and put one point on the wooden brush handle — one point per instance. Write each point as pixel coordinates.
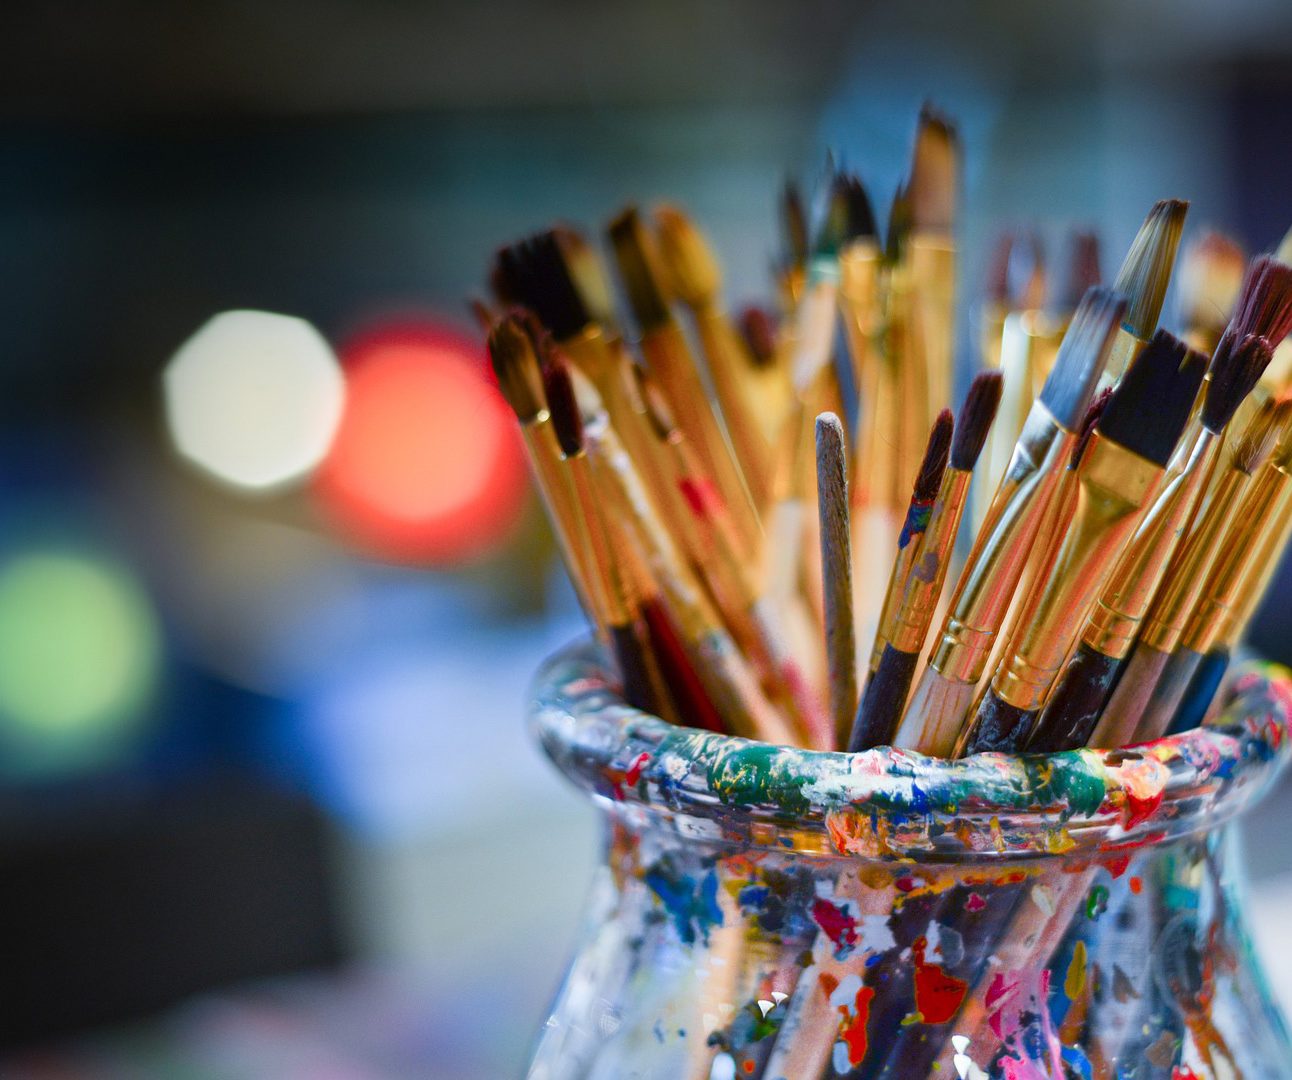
(884, 700)
(638, 691)
(1073, 708)
(999, 726)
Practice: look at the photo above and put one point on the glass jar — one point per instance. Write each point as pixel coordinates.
(770, 912)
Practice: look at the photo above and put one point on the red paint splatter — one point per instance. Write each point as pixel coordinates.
(701, 495)
(1140, 809)
(1136, 885)
(749, 1065)
(1183, 1072)
(998, 993)
(975, 902)
(904, 884)
(938, 996)
(839, 926)
(635, 769)
(853, 1028)
(1117, 865)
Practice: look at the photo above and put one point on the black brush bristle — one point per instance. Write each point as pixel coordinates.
(1234, 374)
(794, 225)
(1082, 270)
(1146, 270)
(1082, 355)
(1151, 405)
(533, 273)
(1264, 304)
(860, 221)
(936, 454)
(639, 269)
(758, 329)
(562, 404)
(975, 419)
(847, 216)
(898, 232)
(1088, 422)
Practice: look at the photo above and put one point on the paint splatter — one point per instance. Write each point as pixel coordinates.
(1075, 981)
(1136, 885)
(692, 905)
(938, 996)
(1183, 1072)
(1000, 991)
(852, 1026)
(975, 902)
(839, 926)
(1123, 989)
(1096, 902)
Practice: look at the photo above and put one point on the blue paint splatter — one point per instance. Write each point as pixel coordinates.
(917, 520)
(693, 907)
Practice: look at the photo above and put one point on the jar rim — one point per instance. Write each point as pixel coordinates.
(887, 803)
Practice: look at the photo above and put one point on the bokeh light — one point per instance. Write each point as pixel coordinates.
(79, 655)
(426, 465)
(254, 398)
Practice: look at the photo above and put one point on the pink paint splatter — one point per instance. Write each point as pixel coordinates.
(975, 903)
(999, 993)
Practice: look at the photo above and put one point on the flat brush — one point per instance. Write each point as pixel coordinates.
(668, 356)
(1143, 279)
(695, 278)
(1090, 674)
(1209, 281)
(836, 564)
(1129, 703)
(1118, 477)
(729, 681)
(1265, 506)
(872, 725)
(991, 575)
(909, 623)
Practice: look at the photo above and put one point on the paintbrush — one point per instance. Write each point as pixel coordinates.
(1091, 673)
(1183, 584)
(1266, 508)
(870, 727)
(1000, 553)
(669, 359)
(1143, 278)
(768, 379)
(695, 278)
(1117, 479)
(1209, 281)
(797, 239)
(729, 681)
(907, 626)
(1081, 272)
(836, 563)
(931, 249)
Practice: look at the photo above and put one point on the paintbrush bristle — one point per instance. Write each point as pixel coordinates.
(935, 169)
(1016, 278)
(759, 331)
(1146, 271)
(794, 225)
(1152, 403)
(1088, 424)
(848, 217)
(1262, 436)
(1082, 270)
(1210, 279)
(562, 403)
(639, 270)
(587, 274)
(533, 273)
(936, 454)
(1234, 374)
(687, 259)
(482, 313)
(975, 419)
(1082, 354)
(1264, 305)
(898, 232)
(515, 363)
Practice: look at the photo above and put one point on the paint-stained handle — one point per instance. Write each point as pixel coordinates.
(638, 691)
(1183, 668)
(1202, 690)
(999, 725)
(1073, 707)
(884, 700)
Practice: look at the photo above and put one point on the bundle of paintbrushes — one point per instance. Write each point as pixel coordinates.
(758, 565)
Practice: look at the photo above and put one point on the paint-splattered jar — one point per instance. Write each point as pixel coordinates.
(771, 912)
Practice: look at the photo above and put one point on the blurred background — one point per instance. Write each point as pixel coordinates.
(272, 586)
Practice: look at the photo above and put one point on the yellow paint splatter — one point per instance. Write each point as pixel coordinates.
(1076, 979)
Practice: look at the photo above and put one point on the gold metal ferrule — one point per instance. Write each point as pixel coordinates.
(1190, 568)
(911, 619)
(1239, 559)
(1114, 486)
(1001, 551)
(1115, 619)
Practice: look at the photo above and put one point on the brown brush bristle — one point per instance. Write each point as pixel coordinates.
(1088, 423)
(1264, 305)
(1146, 271)
(794, 225)
(935, 167)
(1016, 279)
(686, 257)
(516, 365)
(936, 454)
(639, 270)
(899, 224)
(758, 329)
(998, 270)
(975, 419)
(586, 273)
(1082, 270)
(1234, 374)
(1210, 281)
(482, 313)
(1262, 436)
(562, 404)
